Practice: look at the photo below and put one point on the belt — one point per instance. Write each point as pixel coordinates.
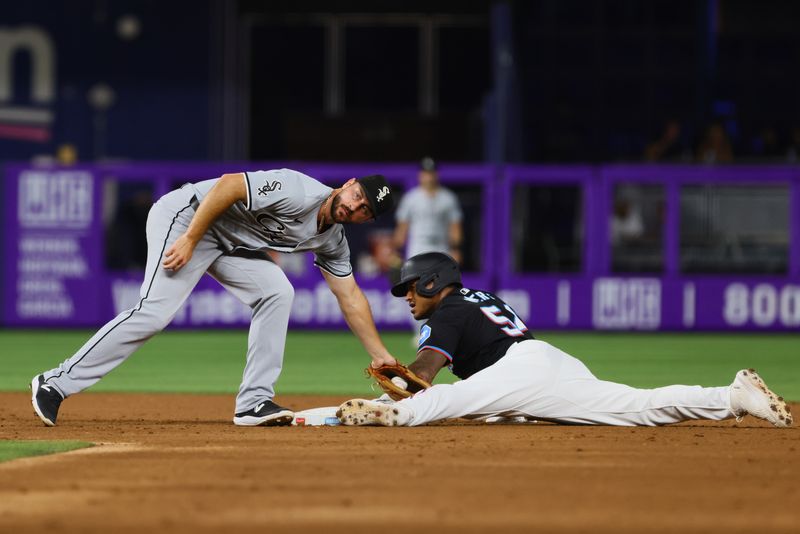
(194, 202)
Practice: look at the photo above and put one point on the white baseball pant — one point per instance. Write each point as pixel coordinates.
(538, 380)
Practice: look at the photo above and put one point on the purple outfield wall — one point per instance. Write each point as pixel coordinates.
(54, 274)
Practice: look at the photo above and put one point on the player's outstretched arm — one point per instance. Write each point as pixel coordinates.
(222, 196)
(428, 364)
(357, 313)
(455, 236)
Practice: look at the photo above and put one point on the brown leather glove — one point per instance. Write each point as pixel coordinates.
(383, 376)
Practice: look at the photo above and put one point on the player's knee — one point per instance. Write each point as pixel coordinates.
(279, 293)
(286, 292)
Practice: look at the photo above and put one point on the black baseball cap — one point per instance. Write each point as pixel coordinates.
(378, 192)
(428, 164)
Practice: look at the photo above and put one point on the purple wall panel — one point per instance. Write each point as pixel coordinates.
(641, 303)
(53, 243)
(52, 257)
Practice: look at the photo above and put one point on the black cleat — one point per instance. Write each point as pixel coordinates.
(46, 400)
(266, 413)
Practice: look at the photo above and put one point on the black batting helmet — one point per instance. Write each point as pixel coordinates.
(435, 267)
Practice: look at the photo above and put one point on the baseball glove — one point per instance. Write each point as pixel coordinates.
(385, 374)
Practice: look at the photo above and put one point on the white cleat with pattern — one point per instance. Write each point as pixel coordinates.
(751, 396)
(362, 412)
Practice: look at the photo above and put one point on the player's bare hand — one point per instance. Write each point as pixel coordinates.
(383, 360)
(179, 253)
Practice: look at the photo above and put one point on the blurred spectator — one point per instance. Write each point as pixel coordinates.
(715, 146)
(767, 145)
(429, 217)
(380, 257)
(626, 222)
(669, 146)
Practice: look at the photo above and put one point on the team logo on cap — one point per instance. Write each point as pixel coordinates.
(382, 193)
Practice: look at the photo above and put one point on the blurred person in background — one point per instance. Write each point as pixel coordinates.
(715, 146)
(767, 145)
(627, 225)
(428, 219)
(669, 146)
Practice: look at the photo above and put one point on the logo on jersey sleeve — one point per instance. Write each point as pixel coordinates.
(269, 188)
(424, 334)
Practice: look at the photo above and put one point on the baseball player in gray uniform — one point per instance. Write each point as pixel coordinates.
(224, 227)
(428, 220)
(429, 217)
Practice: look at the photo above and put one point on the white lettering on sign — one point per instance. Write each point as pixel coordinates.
(27, 122)
(47, 285)
(688, 305)
(65, 267)
(124, 294)
(49, 245)
(562, 303)
(47, 260)
(57, 200)
(764, 305)
(633, 303)
(312, 306)
(386, 308)
(56, 307)
(37, 43)
(210, 307)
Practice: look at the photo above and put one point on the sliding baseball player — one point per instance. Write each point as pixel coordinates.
(506, 372)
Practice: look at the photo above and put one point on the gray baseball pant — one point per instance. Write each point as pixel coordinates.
(259, 283)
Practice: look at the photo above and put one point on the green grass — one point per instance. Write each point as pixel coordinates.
(332, 362)
(10, 449)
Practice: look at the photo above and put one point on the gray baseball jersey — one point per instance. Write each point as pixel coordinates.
(281, 214)
(429, 218)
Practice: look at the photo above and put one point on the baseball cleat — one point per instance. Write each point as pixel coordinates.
(362, 412)
(750, 395)
(266, 413)
(46, 400)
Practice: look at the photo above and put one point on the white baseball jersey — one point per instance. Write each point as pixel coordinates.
(281, 214)
(429, 218)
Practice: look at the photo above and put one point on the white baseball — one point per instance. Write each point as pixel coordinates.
(399, 382)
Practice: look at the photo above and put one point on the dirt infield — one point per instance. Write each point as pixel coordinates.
(175, 463)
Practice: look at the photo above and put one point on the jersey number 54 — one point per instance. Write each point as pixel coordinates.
(508, 321)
